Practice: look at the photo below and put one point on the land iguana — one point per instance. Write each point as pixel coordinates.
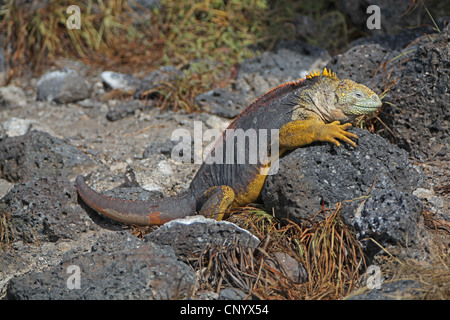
(304, 111)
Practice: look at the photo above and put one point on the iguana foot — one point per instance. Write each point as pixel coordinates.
(299, 133)
(333, 131)
(217, 201)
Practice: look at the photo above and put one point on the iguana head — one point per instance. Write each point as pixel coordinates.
(341, 100)
(355, 99)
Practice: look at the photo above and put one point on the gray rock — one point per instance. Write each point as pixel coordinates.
(292, 60)
(420, 78)
(395, 290)
(404, 40)
(222, 102)
(323, 174)
(360, 64)
(149, 85)
(191, 235)
(166, 148)
(131, 270)
(232, 294)
(44, 209)
(419, 121)
(288, 266)
(12, 96)
(62, 86)
(38, 154)
(114, 80)
(123, 110)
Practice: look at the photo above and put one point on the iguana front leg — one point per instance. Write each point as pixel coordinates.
(299, 133)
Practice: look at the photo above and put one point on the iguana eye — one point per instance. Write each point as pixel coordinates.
(358, 95)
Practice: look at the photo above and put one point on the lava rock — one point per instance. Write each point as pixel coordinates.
(166, 148)
(44, 209)
(292, 60)
(360, 63)
(191, 236)
(323, 175)
(124, 110)
(146, 88)
(419, 122)
(62, 86)
(289, 267)
(133, 269)
(222, 102)
(395, 290)
(38, 154)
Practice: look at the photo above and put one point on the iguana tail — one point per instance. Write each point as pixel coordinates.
(137, 212)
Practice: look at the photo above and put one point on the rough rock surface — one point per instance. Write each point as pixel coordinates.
(124, 110)
(145, 88)
(423, 96)
(190, 236)
(38, 154)
(222, 102)
(323, 174)
(131, 269)
(45, 209)
(396, 290)
(290, 61)
(62, 86)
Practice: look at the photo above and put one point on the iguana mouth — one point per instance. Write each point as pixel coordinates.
(368, 106)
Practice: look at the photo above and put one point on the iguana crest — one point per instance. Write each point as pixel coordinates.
(325, 72)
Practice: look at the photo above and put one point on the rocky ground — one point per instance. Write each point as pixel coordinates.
(69, 122)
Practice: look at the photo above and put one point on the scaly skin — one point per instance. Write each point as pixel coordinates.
(305, 111)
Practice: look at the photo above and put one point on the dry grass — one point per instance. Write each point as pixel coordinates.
(108, 35)
(6, 230)
(326, 248)
(204, 39)
(431, 278)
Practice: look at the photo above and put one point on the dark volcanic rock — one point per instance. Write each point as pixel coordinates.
(222, 102)
(123, 110)
(148, 86)
(420, 120)
(361, 64)
(395, 290)
(133, 269)
(190, 236)
(416, 81)
(37, 154)
(45, 209)
(323, 174)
